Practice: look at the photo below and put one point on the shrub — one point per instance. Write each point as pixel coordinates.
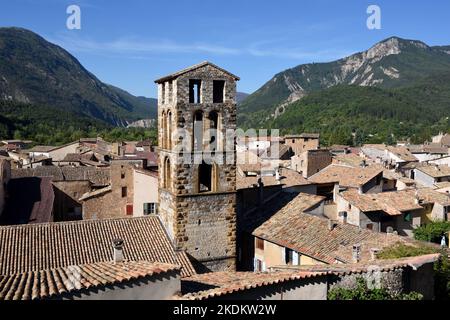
(433, 231)
(363, 292)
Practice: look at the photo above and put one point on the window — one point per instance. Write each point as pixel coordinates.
(218, 86)
(408, 217)
(369, 226)
(163, 93)
(288, 256)
(170, 91)
(124, 192)
(259, 243)
(258, 265)
(204, 177)
(198, 131)
(214, 127)
(122, 175)
(167, 178)
(195, 91)
(149, 208)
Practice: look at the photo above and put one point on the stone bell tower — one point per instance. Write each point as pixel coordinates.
(197, 164)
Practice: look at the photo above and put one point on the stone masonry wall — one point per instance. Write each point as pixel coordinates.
(204, 224)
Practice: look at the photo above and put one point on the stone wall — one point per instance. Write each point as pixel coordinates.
(203, 223)
(112, 204)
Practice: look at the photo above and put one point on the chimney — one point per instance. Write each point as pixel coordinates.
(277, 174)
(343, 217)
(363, 164)
(331, 225)
(118, 250)
(373, 253)
(416, 197)
(360, 190)
(356, 253)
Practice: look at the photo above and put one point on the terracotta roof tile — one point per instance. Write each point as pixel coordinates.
(310, 235)
(435, 171)
(346, 176)
(44, 284)
(216, 284)
(36, 247)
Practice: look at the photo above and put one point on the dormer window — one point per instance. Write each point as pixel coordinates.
(194, 91)
(218, 88)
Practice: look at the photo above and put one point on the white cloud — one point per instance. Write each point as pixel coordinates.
(135, 47)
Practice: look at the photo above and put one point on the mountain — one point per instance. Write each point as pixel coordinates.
(391, 63)
(351, 114)
(35, 71)
(241, 96)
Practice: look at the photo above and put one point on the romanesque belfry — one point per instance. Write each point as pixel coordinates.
(197, 179)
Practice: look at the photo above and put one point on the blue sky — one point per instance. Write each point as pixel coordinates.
(131, 43)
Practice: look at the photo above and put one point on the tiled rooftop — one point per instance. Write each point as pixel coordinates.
(37, 247)
(435, 171)
(216, 284)
(310, 235)
(45, 284)
(393, 202)
(347, 176)
(288, 178)
(98, 176)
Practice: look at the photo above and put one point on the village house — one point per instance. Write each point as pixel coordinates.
(390, 156)
(114, 200)
(430, 175)
(299, 234)
(302, 142)
(366, 179)
(52, 152)
(310, 162)
(401, 211)
(427, 152)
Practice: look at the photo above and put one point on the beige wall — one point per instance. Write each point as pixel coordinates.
(60, 154)
(145, 191)
(273, 255)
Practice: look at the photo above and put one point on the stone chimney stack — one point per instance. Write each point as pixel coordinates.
(118, 250)
(356, 253)
(373, 253)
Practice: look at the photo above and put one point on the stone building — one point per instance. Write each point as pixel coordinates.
(310, 162)
(114, 200)
(197, 176)
(302, 142)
